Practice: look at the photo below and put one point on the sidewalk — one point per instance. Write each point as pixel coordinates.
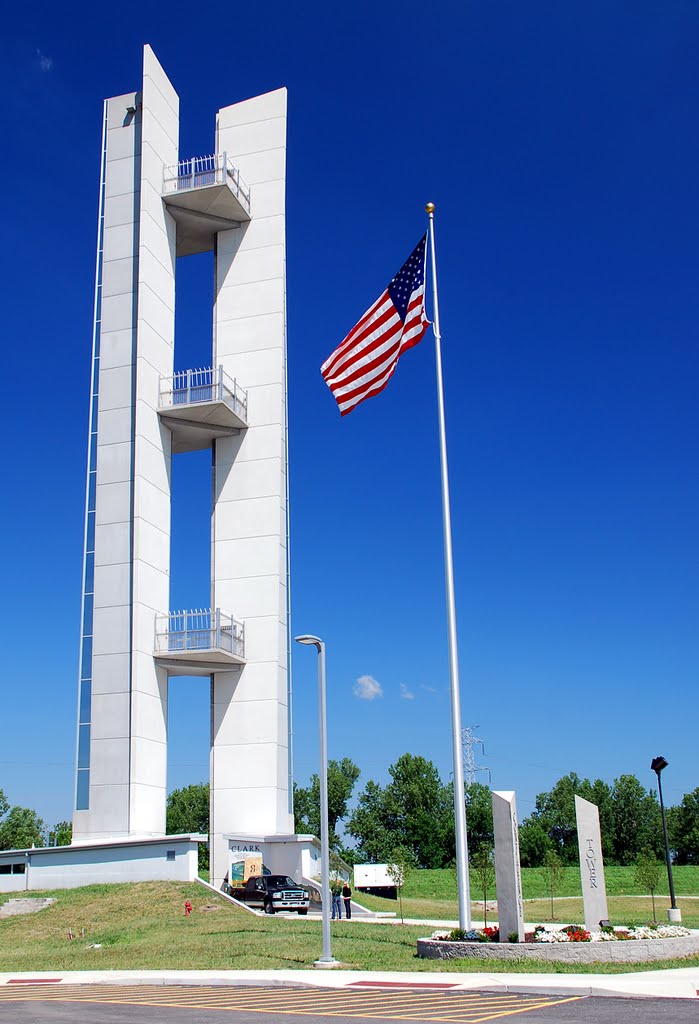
(682, 983)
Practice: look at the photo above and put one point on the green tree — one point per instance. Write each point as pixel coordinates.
(637, 822)
(683, 828)
(553, 876)
(555, 812)
(534, 843)
(342, 776)
(368, 824)
(415, 810)
(484, 869)
(600, 794)
(647, 873)
(479, 816)
(61, 834)
(399, 867)
(4, 804)
(188, 811)
(21, 828)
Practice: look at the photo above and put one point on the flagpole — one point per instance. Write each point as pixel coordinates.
(459, 794)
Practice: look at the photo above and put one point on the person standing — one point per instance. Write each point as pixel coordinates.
(336, 893)
(347, 897)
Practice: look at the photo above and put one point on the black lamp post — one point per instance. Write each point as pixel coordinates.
(657, 765)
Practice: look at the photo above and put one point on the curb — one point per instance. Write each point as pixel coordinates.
(679, 983)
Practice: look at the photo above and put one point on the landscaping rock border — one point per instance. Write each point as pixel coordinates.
(631, 952)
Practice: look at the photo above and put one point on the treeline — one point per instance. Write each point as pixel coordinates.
(414, 811)
(21, 828)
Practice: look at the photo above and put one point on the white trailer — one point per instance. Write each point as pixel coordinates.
(374, 878)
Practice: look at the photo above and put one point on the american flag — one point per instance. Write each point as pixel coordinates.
(364, 362)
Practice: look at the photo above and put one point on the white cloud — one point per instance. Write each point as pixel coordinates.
(406, 693)
(45, 63)
(428, 689)
(367, 688)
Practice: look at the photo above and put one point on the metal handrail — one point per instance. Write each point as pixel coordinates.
(202, 629)
(198, 171)
(207, 384)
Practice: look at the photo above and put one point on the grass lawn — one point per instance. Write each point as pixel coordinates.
(143, 926)
(432, 895)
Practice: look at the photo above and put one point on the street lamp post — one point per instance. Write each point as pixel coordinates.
(327, 958)
(674, 914)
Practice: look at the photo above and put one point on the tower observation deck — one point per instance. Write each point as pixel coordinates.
(155, 209)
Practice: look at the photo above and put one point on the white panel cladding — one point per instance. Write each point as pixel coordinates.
(264, 443)
(152, 451)
(110, 763)
(112, 585)
(114, 425)
(115, 506)
(111, 713)
(109, 747)
(120, 211)
(255, 517)
(109, 673)
(115, 349)
(112, 541)
(249, 758)
(111, 628)
(109, 808)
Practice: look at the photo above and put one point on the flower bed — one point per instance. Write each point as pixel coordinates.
(571, 944)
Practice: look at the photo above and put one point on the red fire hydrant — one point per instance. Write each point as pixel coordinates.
(187, 908)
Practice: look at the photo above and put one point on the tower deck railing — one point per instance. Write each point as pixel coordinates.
(197, 171)
(203, 629)
(208, 384)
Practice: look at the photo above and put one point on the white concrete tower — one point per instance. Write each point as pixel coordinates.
(154, 209)
(249, 758)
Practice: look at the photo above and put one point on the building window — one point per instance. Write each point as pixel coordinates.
(18, 869)
(82, 789)
(170, 854)
(83, 746)
(5, 869)
(85, 704)
(82, 802)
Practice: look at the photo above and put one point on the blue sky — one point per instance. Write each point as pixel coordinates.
(559, 144)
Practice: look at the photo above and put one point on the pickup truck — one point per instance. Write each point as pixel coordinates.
(271, 893)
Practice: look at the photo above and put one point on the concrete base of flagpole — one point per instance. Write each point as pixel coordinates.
(326, 965)
(674, 915)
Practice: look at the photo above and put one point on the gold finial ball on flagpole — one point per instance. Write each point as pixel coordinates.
(429, 208)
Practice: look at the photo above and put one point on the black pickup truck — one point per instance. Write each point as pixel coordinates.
(271, 893)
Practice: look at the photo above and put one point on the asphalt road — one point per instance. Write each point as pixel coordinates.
(224, 1005)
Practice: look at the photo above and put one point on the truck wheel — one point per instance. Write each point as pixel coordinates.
(269, 909)
(303, 912)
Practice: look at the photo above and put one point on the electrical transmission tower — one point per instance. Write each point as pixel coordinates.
(468, 742)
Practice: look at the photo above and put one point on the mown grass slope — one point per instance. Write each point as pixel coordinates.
(143, 926)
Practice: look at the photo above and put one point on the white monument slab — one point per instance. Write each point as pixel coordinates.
(508, 876)
(591, 864)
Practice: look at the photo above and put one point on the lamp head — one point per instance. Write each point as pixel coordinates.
(657, 764)
(309, 640)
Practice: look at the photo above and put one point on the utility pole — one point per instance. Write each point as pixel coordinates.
(469, 741)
